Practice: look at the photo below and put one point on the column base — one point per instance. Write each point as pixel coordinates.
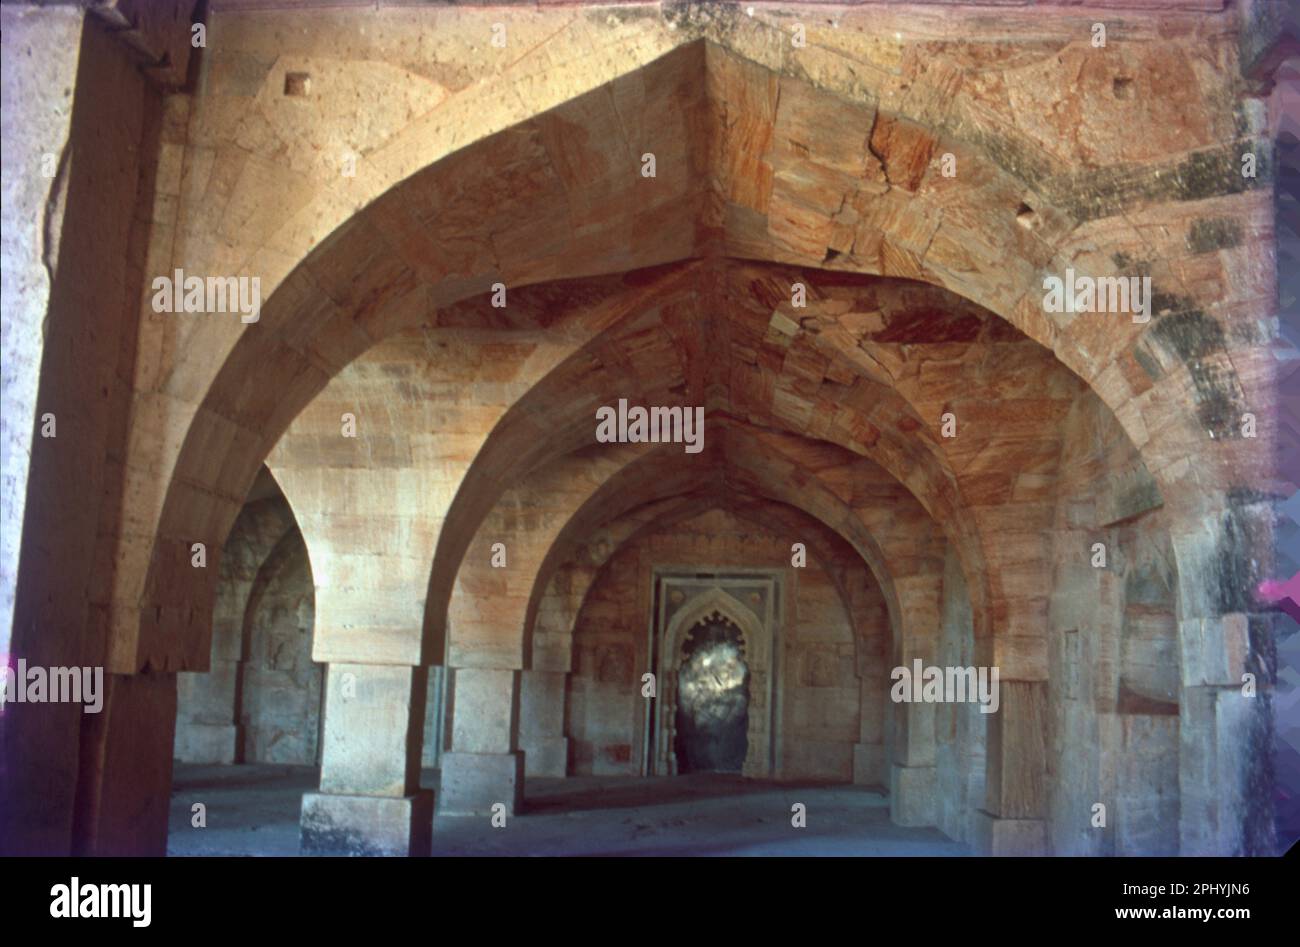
(991, 835)
(912, 796)
(472, 783)
(367, 825)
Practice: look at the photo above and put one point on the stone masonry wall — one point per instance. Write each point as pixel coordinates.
(821, 720)
(1113, 713)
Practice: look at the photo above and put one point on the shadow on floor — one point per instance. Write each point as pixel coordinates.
(586, 794)
(253, 810)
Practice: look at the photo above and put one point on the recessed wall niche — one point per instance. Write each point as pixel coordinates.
(747, 601)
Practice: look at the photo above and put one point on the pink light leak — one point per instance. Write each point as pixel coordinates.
(1285, 594)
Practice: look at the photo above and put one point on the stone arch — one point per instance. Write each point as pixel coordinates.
(867, 632)
(813, 499)
(490, 647)
(645, 477)
(533, 433)
(611, 541)
(321, 316)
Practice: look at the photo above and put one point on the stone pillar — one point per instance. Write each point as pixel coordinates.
(207, 728)
(541, 723)
(370, 801)
(912, 782)
(39, 755)
(869, 757)
(484, 765)
(119, 763)
(126, 779)
(42, 49)
(1226, 736)
(434, 722)
(200, 740)
(1013, 820)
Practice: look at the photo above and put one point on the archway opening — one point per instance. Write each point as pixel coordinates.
(248, 730)
(712, 718)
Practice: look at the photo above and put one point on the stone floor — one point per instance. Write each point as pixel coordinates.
(253, 810)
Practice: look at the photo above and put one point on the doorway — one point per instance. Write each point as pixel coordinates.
(712, 718)
(744, 607)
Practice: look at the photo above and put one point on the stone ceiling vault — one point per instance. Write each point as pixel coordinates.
(753, 164)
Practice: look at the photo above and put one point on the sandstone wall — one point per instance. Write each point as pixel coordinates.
(822, 716)
(1113, 649)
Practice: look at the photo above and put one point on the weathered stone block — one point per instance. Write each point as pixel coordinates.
(546, 756)
(1189, 645)
(541, 704)
(816, 759)
(474, 782)
(372, 715)
(205, 743)
(1017, 751)
(1145, 810)
(210, 696)
(1221, 650)
(362, 640)
(484, 704)
(913, 797)
(130, 769)
(1244, 738)
(367, 825)
(914, 734)
(1016, 837)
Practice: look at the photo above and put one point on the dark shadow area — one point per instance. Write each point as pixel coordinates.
(254, 809)
(712, 719)
(582, 794)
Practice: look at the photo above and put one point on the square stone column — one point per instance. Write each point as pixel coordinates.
(206, 696)
(912, 796)
(870, 755)
(912, 775)
(484, 766)
(1013, 820)
(1223, 735)
(370, 801)
(541, 723)
(1225, 805)
(126, 766)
